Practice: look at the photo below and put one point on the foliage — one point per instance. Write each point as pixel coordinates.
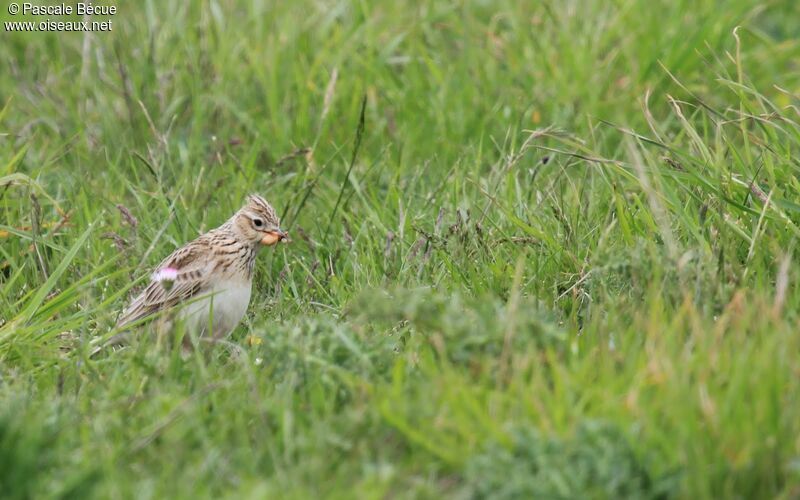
(532, 240)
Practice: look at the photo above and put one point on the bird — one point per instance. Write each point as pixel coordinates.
(208, 282)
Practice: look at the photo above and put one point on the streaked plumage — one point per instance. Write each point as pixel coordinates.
(211, 277)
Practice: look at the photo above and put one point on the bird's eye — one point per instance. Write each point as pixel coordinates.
(258, 223)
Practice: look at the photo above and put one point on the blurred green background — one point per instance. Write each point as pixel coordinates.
(552, 256)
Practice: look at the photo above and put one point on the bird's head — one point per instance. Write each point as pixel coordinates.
(257, 222)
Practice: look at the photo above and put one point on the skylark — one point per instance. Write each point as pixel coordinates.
(208, 281)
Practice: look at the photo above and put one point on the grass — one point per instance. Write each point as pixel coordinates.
(553, 254)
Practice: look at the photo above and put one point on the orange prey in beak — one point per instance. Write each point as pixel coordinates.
(273, 237)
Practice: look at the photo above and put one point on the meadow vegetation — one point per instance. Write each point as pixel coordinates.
(541, 250)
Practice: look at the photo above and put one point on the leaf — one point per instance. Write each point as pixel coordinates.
(41, 294)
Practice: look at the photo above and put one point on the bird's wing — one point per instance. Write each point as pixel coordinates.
(193, 266)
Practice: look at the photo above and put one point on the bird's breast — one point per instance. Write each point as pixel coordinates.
(222, 308)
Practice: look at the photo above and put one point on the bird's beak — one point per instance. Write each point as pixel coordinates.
(273, 237)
